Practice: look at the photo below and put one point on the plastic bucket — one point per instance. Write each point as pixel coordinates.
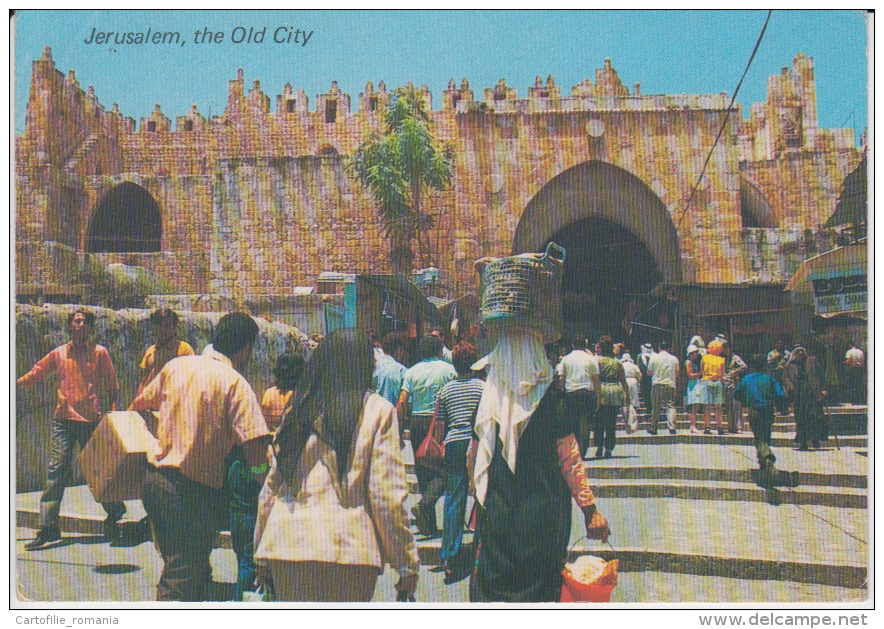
(576, 592)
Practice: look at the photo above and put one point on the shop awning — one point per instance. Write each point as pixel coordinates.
(834, 282)
(407, 291)
(853, 202)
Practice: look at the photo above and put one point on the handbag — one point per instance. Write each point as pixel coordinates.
(431, 451)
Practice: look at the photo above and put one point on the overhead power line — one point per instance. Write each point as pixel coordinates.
(724, 122)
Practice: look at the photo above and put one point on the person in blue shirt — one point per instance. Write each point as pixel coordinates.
(390, 369)
(417, 401)
(760, 393)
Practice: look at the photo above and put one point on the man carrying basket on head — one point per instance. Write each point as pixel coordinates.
(526, 462)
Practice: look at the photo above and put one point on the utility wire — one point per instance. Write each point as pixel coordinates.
(724, 122)
(850, 115)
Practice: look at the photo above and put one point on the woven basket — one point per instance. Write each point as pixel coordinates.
(525, 291)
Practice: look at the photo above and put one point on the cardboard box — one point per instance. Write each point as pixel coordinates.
(115, 459)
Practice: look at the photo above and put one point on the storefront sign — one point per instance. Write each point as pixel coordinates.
(841, 290)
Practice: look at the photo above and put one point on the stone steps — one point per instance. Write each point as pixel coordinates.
(779, 439)
(692, 508)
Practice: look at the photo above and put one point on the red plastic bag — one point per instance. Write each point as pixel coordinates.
(431, 452)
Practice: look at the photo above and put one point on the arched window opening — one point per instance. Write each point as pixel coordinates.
(127, 220)
(754, 207)
(327, 150)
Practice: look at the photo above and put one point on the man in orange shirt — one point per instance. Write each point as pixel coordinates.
(87, 385)
(164, 322)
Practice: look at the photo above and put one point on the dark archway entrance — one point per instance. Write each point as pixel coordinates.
(127, 219)
(622, 251)
(609, 277)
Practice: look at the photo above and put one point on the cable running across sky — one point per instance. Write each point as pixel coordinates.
(724, 122)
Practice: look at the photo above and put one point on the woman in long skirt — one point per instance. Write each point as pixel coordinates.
(527, 469)
(802, 380)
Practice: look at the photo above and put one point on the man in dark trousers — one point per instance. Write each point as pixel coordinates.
(206, 407)
(760, 392)
(87, 385)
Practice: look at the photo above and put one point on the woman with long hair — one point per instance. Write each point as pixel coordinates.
(332, 511)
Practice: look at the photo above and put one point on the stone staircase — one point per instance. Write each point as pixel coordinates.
(688, 509)
(689, 521)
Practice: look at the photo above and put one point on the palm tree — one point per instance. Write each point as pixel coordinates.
(399, 164)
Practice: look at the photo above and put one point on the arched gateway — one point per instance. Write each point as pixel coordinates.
(127, 219)
(621, 244)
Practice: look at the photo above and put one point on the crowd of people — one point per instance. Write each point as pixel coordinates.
(716, 387)
(311, 480)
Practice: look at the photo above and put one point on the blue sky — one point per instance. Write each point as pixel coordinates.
(666, 51)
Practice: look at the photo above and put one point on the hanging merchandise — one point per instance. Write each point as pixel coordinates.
(390, 309)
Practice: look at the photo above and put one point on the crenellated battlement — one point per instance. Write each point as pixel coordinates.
(257, 199)
(786, 120)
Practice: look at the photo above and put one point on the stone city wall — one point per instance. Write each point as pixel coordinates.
(256, 201)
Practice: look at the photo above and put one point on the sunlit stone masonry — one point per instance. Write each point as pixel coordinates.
(245, 207)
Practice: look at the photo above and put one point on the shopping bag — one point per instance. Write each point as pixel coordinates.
(260, 594)
(431, 451)
(631, 420)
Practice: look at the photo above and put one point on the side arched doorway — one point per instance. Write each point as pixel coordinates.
(622, 250)
(126, 220)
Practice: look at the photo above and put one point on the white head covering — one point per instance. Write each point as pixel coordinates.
(518, 378)
(698, 343)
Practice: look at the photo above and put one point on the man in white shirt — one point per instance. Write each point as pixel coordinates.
(663, 372)
(439, 333)
(646, 352)
(578, 375)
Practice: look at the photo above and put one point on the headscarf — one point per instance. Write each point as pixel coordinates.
(692, 349)
(518, 378)
(697, 341)
(793, 355)
(626, 358)
(715, 348)
(328, 400)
